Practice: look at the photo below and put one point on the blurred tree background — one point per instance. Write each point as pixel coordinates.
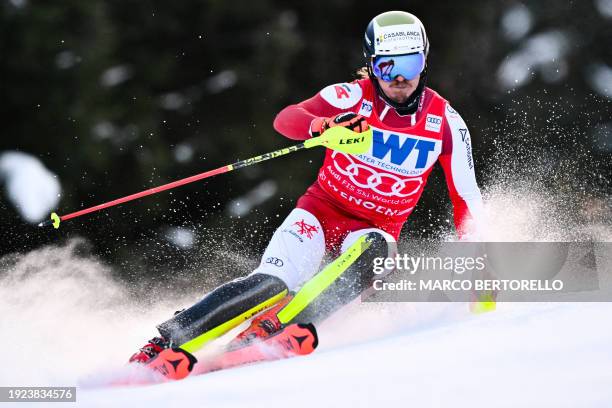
(117, 96)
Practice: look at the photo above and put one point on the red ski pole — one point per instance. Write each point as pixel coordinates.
(336, 138)
(56, 219)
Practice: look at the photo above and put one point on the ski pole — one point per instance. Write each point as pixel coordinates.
(336, 138)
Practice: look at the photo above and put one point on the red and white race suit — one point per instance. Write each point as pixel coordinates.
(378, 189)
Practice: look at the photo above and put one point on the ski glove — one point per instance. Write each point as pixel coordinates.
(349, 120)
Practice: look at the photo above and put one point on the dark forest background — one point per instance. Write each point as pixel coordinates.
(118, 96)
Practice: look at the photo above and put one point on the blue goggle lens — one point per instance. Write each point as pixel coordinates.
(389, 67)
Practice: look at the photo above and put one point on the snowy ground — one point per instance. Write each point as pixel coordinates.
(64, 319)
(523, 355)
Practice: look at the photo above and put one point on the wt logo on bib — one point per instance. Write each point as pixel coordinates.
(400, 152)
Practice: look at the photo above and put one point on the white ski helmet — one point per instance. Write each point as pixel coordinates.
(395, 43)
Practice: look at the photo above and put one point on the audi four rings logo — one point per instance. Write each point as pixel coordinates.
(275, 261)
(367, 177)
(434, 120)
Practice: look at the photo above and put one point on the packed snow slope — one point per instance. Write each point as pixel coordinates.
(527, 355)
(65, 321)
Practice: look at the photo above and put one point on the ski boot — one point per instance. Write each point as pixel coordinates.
(150, 350)
(171, 362)
(262, 326)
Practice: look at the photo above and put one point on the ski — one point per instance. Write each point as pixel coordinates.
(293, 340)
(176, 364)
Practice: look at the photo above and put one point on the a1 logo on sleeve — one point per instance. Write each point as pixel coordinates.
(433, 123)
(343, 96)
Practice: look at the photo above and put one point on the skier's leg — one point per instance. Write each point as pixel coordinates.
(222, 309)
(296, 249)
(292, 256)
(353, 280)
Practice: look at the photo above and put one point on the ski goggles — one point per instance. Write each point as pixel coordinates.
(388, 67)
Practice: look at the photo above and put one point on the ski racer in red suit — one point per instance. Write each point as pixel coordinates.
(371, 193)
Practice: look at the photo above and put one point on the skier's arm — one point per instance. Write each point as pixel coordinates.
(458, 165)
(295, 121)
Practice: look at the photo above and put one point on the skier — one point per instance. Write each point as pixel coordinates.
(370, 194)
